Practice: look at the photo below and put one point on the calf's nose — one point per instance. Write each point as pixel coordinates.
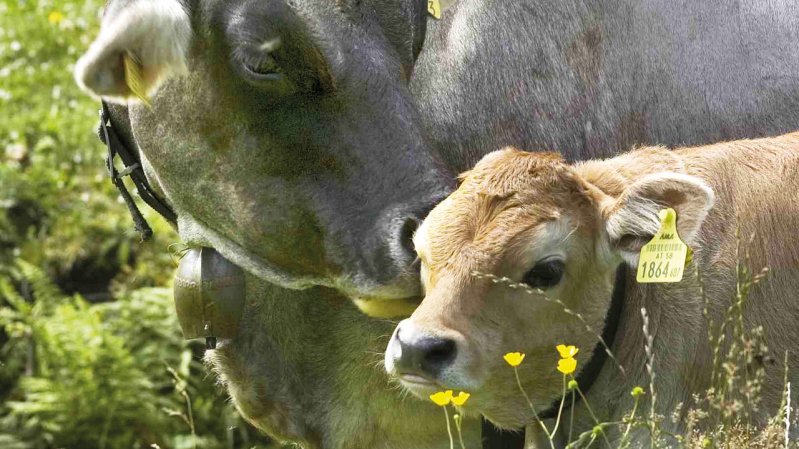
(423, 355)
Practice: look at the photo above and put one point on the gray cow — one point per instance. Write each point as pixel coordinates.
(304, 140)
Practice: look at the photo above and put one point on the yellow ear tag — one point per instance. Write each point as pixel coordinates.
(434, 8)
(134, 77)
(663, 259)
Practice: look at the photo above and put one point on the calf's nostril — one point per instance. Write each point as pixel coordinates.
(423, 355)
(441, 352)
(435, 354)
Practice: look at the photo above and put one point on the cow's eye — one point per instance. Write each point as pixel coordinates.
(265, 72)
(545, 274)
(264, 69)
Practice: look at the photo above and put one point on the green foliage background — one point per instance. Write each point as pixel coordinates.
(91, 355)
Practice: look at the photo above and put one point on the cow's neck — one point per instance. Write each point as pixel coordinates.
(320, 380)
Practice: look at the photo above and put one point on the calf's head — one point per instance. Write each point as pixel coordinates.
(540, 222)
(282, 132)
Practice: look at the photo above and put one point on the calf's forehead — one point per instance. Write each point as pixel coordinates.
(474, 231)
(508, 197)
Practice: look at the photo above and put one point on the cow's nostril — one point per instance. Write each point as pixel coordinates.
(407, 230)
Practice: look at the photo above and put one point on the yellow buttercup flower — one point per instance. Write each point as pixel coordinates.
(514, 358)
(567, 352)
(461, 398)
(55, 17)
(442, 398)
(567, 366)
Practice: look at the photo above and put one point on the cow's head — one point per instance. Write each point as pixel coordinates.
(282, 132)
(538, 221)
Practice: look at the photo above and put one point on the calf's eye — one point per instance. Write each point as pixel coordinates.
(545, 274)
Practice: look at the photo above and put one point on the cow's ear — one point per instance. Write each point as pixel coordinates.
(631, 220)
(154, 34)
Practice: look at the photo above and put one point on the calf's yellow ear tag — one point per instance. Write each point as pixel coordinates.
(134, 77)
(664, 258)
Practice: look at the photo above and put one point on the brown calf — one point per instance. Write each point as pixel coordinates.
(565, 229)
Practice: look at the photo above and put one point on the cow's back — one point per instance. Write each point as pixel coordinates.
(591, 79)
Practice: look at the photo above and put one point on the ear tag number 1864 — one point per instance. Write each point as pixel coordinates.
(663, 259)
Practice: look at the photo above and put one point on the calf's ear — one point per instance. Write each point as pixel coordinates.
(632, 219)
(154, 33)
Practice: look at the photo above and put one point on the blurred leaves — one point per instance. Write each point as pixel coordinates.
(91, 355)
(109, 375)
(57, 207)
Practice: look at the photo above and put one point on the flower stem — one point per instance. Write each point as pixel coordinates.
(530, 403)
(449, 429)
(593, 416)
(571, 417)
(560, 409)
(458, 424)
(624, 437)
(524, 393)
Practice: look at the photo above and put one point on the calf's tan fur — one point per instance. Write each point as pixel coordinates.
(515, 209)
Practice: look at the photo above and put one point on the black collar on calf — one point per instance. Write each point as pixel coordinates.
(133, 168)
(494, 438)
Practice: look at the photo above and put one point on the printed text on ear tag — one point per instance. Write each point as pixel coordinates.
(434, 8)
(663, 259)
(134, 77)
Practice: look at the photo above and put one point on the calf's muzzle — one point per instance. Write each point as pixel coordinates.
(421, 355)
